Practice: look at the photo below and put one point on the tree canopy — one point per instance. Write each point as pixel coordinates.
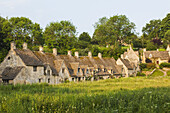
(118, 27)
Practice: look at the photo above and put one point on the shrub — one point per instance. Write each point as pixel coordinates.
(140, 74)
(150, 66)
(157, 73)
(143, 66)
(164, 65)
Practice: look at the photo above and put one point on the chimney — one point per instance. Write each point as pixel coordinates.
(13, 46)
(69, 53)
(77, 54)
(24, 45)
(99, 55)
(127, 49)
(89, 54)
(41, 49)
(144, 49)
(157, 49)
(130, 47)
(55, 51)
(122, 56)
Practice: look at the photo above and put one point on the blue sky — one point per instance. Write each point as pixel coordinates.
(84, 13)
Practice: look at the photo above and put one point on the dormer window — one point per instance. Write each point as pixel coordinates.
(34, 68)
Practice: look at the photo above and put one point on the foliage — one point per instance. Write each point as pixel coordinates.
(150, 46)
(152, 29)
(150, 66)
(168, 73)
(60, 35)
(107, 31)
(140, 74)
(84, 40)
(137, 94)
(164, 65)
(22, 29)
(157, 73)
(143, 66)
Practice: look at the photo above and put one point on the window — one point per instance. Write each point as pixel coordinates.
(34, 68)
(83, 70)
(72, 79)
(90, 70)
(111, 71)
(63, 70)
(98, 69)
(9, 58)
(87, 71)
(48, 72)
(39, 80)
(78, 70)
(48, 80)
(105, 69)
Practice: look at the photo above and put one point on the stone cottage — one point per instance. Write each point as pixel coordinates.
(24, 66)
(156, 57)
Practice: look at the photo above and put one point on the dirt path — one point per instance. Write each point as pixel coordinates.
(163, 72)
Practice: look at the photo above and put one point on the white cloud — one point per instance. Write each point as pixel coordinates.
(11, 4)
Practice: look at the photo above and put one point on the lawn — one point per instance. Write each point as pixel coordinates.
(168, 73)
(134, 94)
(157, 73)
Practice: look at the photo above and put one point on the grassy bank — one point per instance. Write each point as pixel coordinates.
(116, 95)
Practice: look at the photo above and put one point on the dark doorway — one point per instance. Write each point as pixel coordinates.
(148, 61)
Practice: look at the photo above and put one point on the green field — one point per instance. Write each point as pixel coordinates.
(140, 94)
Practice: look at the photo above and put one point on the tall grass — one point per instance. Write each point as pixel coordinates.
(139, 94)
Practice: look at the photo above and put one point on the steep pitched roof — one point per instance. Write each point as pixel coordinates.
(164, 55)
(127, 63)
(47, 59)
(28, 57)
(10, 73)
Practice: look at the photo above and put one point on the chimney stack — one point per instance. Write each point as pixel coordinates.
(89, 54)
(122, 56)
(69, 53)
(13, 46)
(41, 49)
(24, 45)
(99, 55)
(144, 49)
(55, 51)
(157, 49)
(77, 54)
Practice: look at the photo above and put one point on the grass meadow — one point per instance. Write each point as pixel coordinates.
(134, 94)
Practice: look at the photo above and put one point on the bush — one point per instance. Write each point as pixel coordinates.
(164, 65)
(143, 66)
(150, 66)
(140, 74)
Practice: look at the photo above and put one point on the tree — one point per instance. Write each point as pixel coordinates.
(152, 29)
(22, 30)
(84, 40)
(150, 46)
(118, 27)
(60, 35)
(4, 30)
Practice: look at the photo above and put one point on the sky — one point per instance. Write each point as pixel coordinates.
(85, 13)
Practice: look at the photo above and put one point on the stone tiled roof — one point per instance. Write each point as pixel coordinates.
(10, 73)
(28, 57)
(163, 55)
(47, 59)
(127, 63)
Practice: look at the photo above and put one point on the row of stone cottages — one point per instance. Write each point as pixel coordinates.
(24, 66)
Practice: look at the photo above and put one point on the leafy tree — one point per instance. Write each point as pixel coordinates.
(165, 26)
(60, 35)
(152, 29)
(22, 30)
(118, 27)
(150, 46)
(4, 47)
(84, 40)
